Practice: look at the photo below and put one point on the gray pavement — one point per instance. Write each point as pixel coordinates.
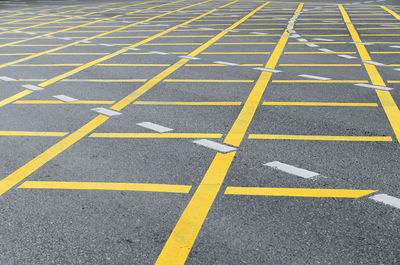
(295, 104)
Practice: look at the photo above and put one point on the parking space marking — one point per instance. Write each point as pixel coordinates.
(386, 99)
(298, 192)
(182, 238)
(26, 133)
(157, 135)
(344, 138)
(62, 185)
(319, 104)
(222, 148)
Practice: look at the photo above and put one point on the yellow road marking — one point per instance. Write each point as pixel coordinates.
(321, 138)
(298, 192)
(181, 240)
(89, 38)
(36, 163)
(24, 171)
(333, 104)
(386, 99)
(15, 97)
(192, 103)
(320, 81)
(319, 65)
(207, 81)
(45, 102)
(26, 133)
(105, 186)
(156, 135)
(392, 13)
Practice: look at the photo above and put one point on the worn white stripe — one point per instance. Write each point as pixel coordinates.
(386, 199)
(267, 70)
(322, 39)
(154, 127)
(65, 98)
(312, 45)
(374, 63)
(189, 57)
(6, 78)
(374, 87)
(106, 112)
(225, 63)
(302, 40)
(303, 173)
(325, 50)
(258, 33)
(362, 43)
(396, 69)
(395, 46)
(160, 53)
(315, 77)
(132, 49)
(347, 56)
(32, 87)
(222, 148)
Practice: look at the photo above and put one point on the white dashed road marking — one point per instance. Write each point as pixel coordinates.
(6, 78)
(225, 63)
(267, 70)
(222, 148)
(387, 199)
(32, 87)
(106, 112)
(375, 87)
(315, 77)
(154, 127)
(303, 173)
(374, 63)
(65, 98)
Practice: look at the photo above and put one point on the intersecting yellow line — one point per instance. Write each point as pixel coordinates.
(69, 185)
(321, 137)
(386, 99)
(182, 238)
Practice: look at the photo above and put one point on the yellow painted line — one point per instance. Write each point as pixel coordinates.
(61, 185)
(298, 192)
(319, 64)
(143, 42)
(318, 42)
(322, 104)
(45, 65)
(15, 97)
(192, 103)
(182, 238)
(236, 53)
(379, 35)
(156, 135)
(48, 102)
(386, 99)
(103, 80)
(36, 163)
(320, 53)
(320, 81)
(26, 133)
(393, 81)
(397, 16)
(321, 138)
(391, 52)
(245, 43)
(207, 81)
(27, 169)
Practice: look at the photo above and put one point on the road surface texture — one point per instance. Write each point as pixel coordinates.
(199, 132)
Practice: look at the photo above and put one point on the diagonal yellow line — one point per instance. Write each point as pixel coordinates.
(386, 99)
(182, 238)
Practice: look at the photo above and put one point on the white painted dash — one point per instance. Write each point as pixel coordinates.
(189, 57)
(302, 40)
(387, 199)
(106, 112)
(222, 148)
(325, 50)
(133, 49)
(312, 45)
(374, 63)
(226, 63)
(303, 173)
(315, 77)
(155, 127)
(65, 98)
(267, 70)
(347, 56)
(361, 43)
(6, 78)
(395, 46)
(160, 53)
(32, 87)
(322, 39)
(374, 87)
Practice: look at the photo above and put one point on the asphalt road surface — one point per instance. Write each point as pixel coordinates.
(199, 132)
